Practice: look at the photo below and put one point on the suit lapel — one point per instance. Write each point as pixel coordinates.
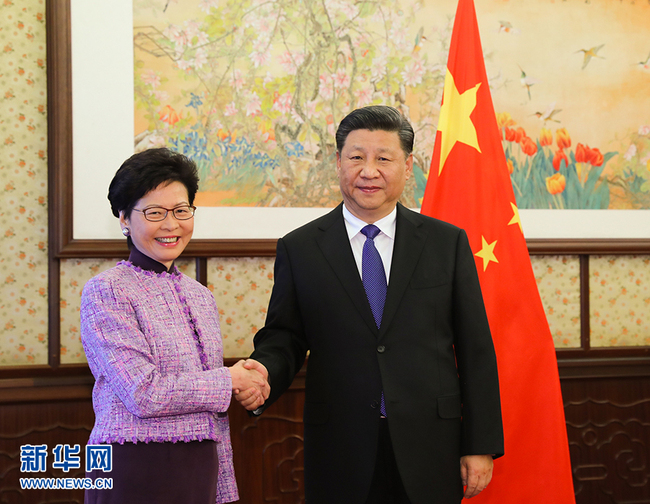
(409, 242)
(335, 245)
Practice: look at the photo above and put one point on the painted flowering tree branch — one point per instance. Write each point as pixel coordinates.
(264, 84)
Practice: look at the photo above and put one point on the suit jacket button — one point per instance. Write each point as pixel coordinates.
(381, 348)
(374, 404)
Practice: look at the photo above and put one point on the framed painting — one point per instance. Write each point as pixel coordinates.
(254, 96)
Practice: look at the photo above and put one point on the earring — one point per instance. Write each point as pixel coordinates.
(125, 231)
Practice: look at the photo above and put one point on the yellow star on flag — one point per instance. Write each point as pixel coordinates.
(487, 252)
(515, 218)
(455, 123)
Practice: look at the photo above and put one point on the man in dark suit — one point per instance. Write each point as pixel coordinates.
(402, 395)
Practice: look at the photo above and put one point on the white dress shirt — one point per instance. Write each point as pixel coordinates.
(384, 241)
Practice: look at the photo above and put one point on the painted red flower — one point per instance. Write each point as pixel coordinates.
(558, 158)
(528, 146)
(520, 134)
(596, 157)
(563, 138)
(169, 115)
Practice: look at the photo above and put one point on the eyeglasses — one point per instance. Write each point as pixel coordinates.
(157, 214)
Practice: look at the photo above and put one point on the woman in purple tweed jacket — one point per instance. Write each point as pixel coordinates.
(153, 343)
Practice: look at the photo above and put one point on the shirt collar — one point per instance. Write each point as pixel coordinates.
(146, 263)
(354, 225)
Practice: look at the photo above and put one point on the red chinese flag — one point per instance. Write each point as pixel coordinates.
(469, 186)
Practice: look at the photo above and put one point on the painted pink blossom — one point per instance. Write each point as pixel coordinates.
(630, 153)
(254, 105)
(413, 73)
(283, 103)
(378, 67)
(231, 109)
(291, 61)
(206, 5)
(644, 130)
(175, 34)
(161, 96)
(200, 58)
(259, 58)
(237, 80)
(341, 79)
(202, 38)
(326, 88)
(262, 21)
(364, 97)
(347, 9)
(192, 29)
(151, 78)
(184, 64)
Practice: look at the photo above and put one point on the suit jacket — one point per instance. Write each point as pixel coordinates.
(433, 357)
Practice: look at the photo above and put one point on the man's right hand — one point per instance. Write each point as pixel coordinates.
(252, 398)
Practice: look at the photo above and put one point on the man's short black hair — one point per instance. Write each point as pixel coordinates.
(377, 117)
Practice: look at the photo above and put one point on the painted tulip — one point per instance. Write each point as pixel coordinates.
(528, 146)
(545, 137)
(581, 153)
(563, 138)
(504, 120)
(557, 160)
(555, 183)
(596, 157)
(520, 134)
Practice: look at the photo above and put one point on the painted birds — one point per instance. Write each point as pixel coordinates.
(644, 65)
(548, 114)
(419, 38)
(527, 81)
(590, 53)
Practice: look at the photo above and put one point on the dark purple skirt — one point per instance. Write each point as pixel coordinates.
(161, 473)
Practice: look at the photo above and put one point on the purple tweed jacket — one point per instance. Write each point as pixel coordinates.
(153, 343)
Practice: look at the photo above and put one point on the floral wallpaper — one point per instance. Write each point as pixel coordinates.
(242, 288)
(23, 184)
(558, 281)
(74, 275)
(619, 299)
(619, 294)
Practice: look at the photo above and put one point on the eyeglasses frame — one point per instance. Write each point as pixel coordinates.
(167, 210)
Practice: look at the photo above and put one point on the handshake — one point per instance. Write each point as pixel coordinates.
(250, 383)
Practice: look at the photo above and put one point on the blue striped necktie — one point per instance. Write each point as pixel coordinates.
(374, 281)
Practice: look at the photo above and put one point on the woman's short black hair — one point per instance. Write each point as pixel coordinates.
(145, 171)
(377, 117)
